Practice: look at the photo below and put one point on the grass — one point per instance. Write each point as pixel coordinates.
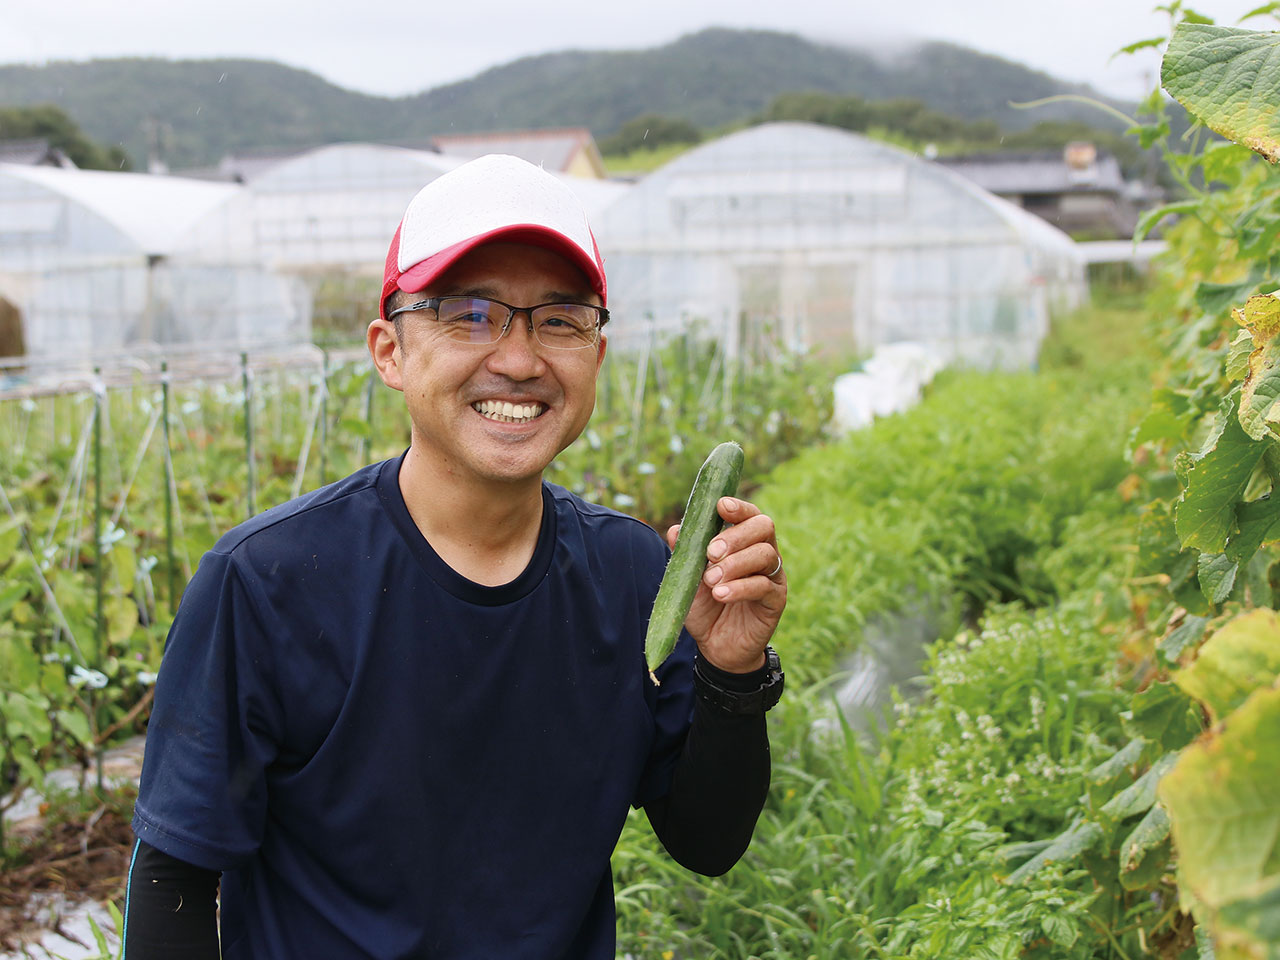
(639, 162)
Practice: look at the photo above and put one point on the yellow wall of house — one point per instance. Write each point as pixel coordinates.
(584, 165)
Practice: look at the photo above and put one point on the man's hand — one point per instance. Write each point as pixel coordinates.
(743, 590)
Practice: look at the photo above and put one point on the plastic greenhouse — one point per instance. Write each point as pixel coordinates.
(87, 268)
(326, 217)
(334, 206)
(820, 236)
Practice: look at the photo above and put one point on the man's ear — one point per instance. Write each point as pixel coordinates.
(600, 349)
(384, 348)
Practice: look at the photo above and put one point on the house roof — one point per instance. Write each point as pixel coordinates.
(553, 150)
(245, 166)
(1023, 173)
(33, 152)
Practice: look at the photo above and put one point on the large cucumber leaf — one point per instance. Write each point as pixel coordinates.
(1228, 77)
(1223, 798)
(1252, 923)
(1241, 657)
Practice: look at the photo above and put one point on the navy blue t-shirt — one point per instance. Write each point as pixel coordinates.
(387, 760)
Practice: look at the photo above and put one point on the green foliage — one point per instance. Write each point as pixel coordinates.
(650, 131)
(966, 495)
(1206, 542)
(643, 161)
(1241, 657)
(198, 111)
(1225, 808)
(910, 118)
(898, 848)
(895, 849)
(51, 123)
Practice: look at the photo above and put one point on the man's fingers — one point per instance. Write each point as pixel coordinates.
(755, 559)
(757, 528)
(769, 594)
(736, 510)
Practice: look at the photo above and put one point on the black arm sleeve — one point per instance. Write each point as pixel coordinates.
(719, 785)
(170, 909)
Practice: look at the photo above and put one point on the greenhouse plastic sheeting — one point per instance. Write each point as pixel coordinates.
(811, 236)
(88, 259)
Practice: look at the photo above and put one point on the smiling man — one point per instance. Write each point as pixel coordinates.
(404, 716)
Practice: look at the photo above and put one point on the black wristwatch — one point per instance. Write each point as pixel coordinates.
(756, 701)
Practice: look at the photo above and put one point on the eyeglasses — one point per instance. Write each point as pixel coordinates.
(560, 326)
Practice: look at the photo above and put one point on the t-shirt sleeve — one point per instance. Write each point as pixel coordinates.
(671, 703)
(215, 724)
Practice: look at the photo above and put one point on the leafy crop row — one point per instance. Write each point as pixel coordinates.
(1003, 492)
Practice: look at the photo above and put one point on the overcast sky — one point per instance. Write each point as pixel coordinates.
(396, 48)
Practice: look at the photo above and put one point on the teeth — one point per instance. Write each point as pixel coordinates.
(506, 411)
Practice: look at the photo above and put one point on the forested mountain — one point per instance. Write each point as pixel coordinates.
(198, 110)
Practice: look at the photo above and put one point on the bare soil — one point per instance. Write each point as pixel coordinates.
(83, 855)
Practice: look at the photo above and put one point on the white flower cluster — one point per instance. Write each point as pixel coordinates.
(84, 677)
(1037, 709)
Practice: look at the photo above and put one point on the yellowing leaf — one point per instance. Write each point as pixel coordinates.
(1261, 387)
(1238, 355)
(1229, 78)
(1144, 852)
(1235, 661)
(1246, 924)
(1223, 798)
(1260, 315)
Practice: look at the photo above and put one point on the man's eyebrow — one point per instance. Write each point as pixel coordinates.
(492, 293)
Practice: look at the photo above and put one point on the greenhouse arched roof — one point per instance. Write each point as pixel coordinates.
(781, 185)
(152, 212)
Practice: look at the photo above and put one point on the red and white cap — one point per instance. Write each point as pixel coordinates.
(492, 198)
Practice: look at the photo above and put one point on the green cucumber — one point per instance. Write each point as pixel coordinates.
(718, 478)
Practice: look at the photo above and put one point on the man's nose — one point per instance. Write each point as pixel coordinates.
(516, 352)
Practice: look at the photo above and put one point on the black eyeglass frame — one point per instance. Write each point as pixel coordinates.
(433, 303)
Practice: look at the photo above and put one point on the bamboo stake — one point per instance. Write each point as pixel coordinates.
(168, 489)
(248, 428)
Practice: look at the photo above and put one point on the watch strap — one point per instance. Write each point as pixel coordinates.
(744, 694)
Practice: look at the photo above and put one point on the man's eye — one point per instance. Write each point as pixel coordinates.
(464, 318)
(563, 323)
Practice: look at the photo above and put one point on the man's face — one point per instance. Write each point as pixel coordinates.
(447, 384)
